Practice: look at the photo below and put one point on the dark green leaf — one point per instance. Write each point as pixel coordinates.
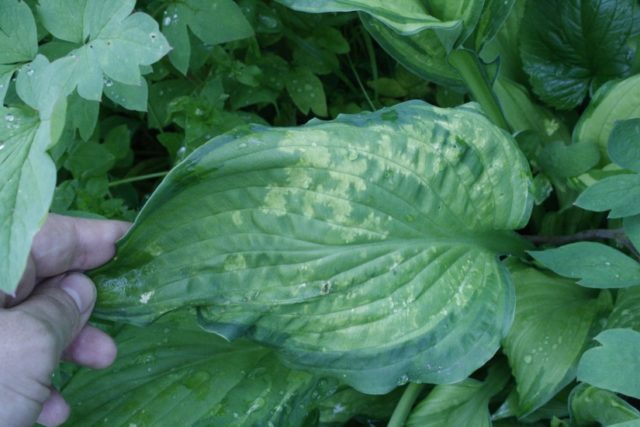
(18, 35)
(560, 160)
(590, 405)
(626, 311)
(570, 45)
(83, 115)
(360, 247)
(6, 73)
(131, 97)
(551, 327)
(594, 264)
(89, 159)
(173, 373)
(348, 403)
(494, 14)
(307, 92)
(632, 230)
(620, 194)
(603, 366)
(624, 144)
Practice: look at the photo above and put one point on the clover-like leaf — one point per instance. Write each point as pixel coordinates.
(173, 373)
(363, 248)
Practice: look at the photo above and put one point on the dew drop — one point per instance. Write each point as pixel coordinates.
(108, 82)
(30, 72)
(1, 145)
(166, 21)
(528, 359)
(10, 118)
(607, 263)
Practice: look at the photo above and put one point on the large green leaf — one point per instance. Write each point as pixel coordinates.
(28, 177)
(174, 374)
(626, 310)
(550, 330)
(611, 103)
(592, 406)
(363, 248)
(624, 144)
(569, 46)
(619, 194)
(602, 366)
(18, 35)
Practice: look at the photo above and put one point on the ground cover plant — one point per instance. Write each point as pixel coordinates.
(347, 212)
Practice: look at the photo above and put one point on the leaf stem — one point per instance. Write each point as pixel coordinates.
(401, 412)
(138, 178)
(616, 234)
(477, 81)
(362, 88)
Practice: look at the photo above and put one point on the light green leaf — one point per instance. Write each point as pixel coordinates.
(406, 17)
(568, 46)
(612, 102)
(131, 97)
(63, 18)
(6, 73)
(28, 177)
(493, 17)
(361, 248)
(550, 330)
(560, 160)
(83, 115)
(18, 35)
(594, 264)
(602, 366)
(626, 311)
(306, 91)
(624, 144)
(101, 16)
(198, 16)
(620, 194)
(173, 373)
(462, 404)
(590, 405)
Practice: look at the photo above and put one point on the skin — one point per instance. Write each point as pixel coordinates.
(46, 320)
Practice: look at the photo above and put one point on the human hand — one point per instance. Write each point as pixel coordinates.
(46, 318)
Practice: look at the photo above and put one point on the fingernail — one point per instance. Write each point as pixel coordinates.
(80, 289)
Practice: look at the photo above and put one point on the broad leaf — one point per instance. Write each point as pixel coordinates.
(462, 404)
(590, 405)
(18, 35)
(569, 46)
(63, 18)
(624, 144)
(550, 330)
(198, 16)
(612, 102)
(594, 264)
(608, 366)
(619, 194)
(173, 373)
(626, 310)
(28, 177)
(559, 160)
(363, 248)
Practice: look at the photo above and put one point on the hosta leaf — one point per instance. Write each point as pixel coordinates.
(18, 35)
(626, 310)
(173, 373)
(347, 403)
(569, 46)
(595, 265)
(363, 248)
(557, 159)
(550, 330)
(462, 404)
(611, 103)
(590, 405)
(28, 177)
(624, 144)
(601, 366)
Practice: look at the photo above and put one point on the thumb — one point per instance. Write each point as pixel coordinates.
(62, 305)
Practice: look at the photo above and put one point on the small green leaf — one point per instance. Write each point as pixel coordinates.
(83, 115)
(592, 406)
(595, 264)
(567, 46)
(63, 18)
(462, 404)
(601, 366)
(173, 373)
(552, 322)
(131, 97)
(560, 160)
(347, 403)
(18, 35)
(28, 177)
(363, 248)
(307, 92)
(620, 194)
(626, 311)
(624, 144)
(89, 159)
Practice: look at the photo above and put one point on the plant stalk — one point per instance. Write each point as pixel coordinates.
(403, 408)
(138, 178)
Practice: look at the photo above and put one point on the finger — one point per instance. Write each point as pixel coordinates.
(62, 306)
(67, 243)
(55, 410)
(92, 348)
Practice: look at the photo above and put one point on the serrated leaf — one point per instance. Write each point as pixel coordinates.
(462, 404)
(173, 373)
(590, 405)
(612, 102)
(28, 177)
(594, 264)
(83, 115)
(18, 35)
(63, 18)
(567, 46)
(624, 144)
(131, 97)
(601, 366)
(560, 160)
(551, 328)
(307, 92)
(619, 194)
(361, 248)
